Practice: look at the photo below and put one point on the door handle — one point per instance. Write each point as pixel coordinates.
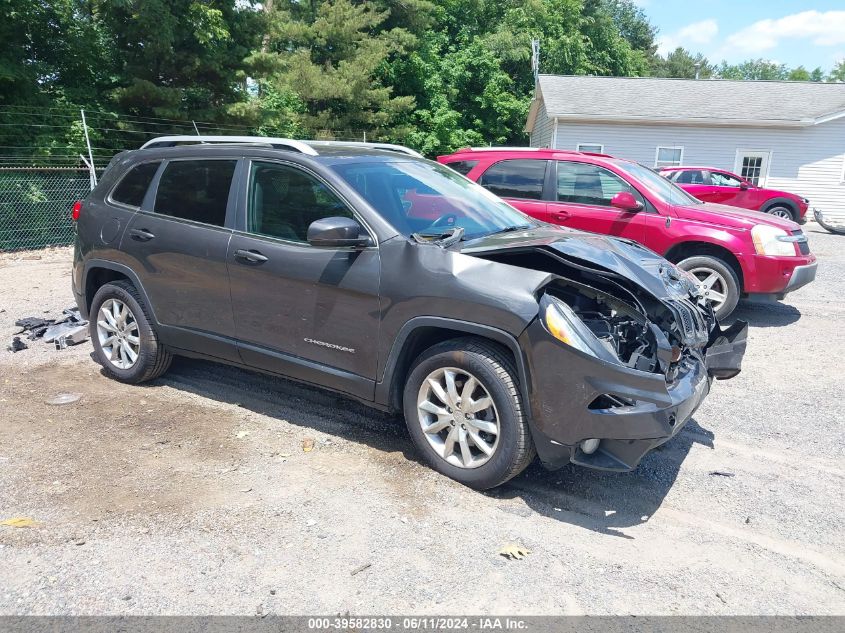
(561, 215)
(142, 235)
(251, 256)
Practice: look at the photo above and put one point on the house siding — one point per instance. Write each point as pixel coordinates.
(807, 161)
(541, 135)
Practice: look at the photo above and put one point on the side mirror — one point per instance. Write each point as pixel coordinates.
(626, 201)
(337, 232)
(744, 186)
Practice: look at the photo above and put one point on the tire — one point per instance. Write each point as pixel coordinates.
(511, 447)
(703, 266)
(152, 358)
(782, 211)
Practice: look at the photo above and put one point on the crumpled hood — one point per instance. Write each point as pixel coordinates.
(732, 217)
(626, 258)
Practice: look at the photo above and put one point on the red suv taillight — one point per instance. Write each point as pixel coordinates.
(77, 209)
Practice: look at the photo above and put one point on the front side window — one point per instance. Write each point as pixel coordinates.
(463, 167)
(720, 179)
(664, 189)
(669, 156)
(582, 183)
(133, 187)
(196, 190)
(521, 178)
(416, 196)
(284, 201)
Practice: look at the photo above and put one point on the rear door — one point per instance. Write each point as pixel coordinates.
(582, 201)
(177, 243)
(520, 181)
(308, 312)
(694, 181)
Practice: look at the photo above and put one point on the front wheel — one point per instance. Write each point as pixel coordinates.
(464, 413)
(716, 280)
(781, 211)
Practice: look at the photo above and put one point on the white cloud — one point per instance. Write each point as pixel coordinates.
(688, 37)
(820, 28)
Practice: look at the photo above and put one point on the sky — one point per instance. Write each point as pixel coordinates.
(809, 33)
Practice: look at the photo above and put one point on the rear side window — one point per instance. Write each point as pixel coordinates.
(690, 177)
(463, 167)
(196, 190)
(133, 186)
(516, 178)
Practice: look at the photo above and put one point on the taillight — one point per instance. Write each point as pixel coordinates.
(77, 209)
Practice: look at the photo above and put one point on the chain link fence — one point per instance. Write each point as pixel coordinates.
(35, 205)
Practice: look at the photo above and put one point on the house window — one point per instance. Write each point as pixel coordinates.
(668, 156)
(595, 148)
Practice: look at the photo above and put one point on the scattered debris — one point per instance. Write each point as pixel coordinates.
(747, 520)
(513, 551)
(64, 398)
(360, 568)
(307, 444)
(241, 434)
(17, 345)
(70, 329)
(19, 522)
(719, 596)
(722, 473)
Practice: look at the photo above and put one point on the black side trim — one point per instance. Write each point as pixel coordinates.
(120, 268)
(383, 387)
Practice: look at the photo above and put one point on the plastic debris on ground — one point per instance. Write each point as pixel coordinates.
(69, 329)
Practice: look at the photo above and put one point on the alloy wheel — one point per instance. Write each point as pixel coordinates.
(458, 417)
(780, 212)
(117, 332)
(712, 285)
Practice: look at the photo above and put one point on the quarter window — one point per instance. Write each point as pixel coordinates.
(668, 156)
(196, 190)
(463, 167)
(516, 179)
(582, 183)
(133, 187)
(284, 201)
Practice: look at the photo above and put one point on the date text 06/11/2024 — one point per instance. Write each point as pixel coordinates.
(420, 623)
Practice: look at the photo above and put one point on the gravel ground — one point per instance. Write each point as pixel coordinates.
(193, 495)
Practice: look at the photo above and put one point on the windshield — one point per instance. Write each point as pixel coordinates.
(661, 187)
(422, 197)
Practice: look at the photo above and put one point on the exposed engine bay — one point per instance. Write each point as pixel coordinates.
(640, 330)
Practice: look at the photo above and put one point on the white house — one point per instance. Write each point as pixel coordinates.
(781, 134)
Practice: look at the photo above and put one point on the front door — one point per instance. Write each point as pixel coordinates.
(179, 250)
(307, 312)
(727, 188)
(582, 201)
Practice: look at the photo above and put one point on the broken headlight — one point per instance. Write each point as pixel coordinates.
(562, 323)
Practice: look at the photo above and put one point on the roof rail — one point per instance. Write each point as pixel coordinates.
(280, 143)
(391, 147)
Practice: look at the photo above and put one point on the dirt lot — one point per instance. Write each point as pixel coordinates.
(193, 495)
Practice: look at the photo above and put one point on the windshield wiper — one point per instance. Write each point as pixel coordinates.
(443, 239)
(511, 229)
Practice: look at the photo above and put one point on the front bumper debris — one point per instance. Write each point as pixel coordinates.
(629, 411)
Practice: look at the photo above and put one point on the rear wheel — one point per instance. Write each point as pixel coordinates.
(464, 413)
(716, 280)
(780, 211)
(124, 340)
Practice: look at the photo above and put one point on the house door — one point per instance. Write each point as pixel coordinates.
(753, 165)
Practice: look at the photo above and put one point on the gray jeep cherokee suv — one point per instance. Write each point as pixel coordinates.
(393, 280)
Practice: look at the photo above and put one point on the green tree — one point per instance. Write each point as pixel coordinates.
(799, 73)
(838, 72)
(817, 74)
(681, 64)
(753, 69)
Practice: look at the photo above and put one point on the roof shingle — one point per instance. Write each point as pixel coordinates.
(706, 100)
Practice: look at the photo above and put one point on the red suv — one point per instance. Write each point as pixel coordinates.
(732, 252)
(717, 185)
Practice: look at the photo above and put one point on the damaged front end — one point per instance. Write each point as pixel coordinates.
(622, 354)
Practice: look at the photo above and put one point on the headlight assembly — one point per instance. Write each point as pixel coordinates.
(568, 328)
(770, 240)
